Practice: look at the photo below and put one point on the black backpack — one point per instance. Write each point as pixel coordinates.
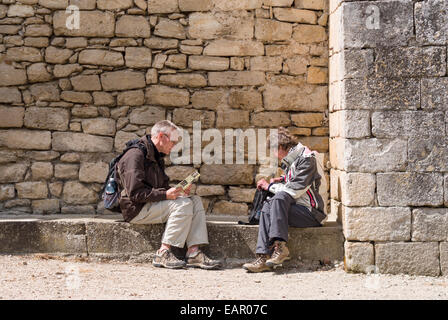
(257, 205)
(109, 192)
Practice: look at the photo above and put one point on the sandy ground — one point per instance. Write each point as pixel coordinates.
(49, 277)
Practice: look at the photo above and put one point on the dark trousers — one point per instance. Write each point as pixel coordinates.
(277, 214)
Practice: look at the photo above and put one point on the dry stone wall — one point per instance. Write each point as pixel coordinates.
(388, 145)
(71, 97)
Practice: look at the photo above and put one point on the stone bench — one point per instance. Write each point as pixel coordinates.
(110, 237)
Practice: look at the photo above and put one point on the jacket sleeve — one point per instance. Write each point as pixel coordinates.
(303, 176)
(132, 178)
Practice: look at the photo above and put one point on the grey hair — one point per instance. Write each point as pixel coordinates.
(164, 126)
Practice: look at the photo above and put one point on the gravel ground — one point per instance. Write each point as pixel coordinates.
(52, 277)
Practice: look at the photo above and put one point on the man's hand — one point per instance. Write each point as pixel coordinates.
(262, 184)
(173, 193)
(276, 180)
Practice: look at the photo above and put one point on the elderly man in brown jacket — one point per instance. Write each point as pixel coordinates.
(147, 198)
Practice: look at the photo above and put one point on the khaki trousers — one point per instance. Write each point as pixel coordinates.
(184, 217)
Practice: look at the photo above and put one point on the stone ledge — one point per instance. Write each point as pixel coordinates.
(109, 236)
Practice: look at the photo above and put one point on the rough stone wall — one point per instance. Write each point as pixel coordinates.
(388, 145)
(69, 99)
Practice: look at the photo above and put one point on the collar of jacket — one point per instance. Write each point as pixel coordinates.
(152, 153)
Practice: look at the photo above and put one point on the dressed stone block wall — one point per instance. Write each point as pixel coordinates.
(71, 97)
(388, 133)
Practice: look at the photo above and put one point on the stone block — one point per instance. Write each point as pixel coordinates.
(270, 119)
(208, 63)
(294, 98)
(167, 28)
(212, 26)
(227, 174)
(27, 54)
(223, 207)
(432, 93)
(189, 80)
(32, 190)
(12, 172)
(232, 119)
(25, 139)
(296, 65)
(57, 55)
(435, 32)
(359, 256)
(400, 94)
(357, 189)
(147, 115)
(304, 33)
(236, 78)
(185, 117)
(444, 258)
(163, 6)
(101, 57)
(77, 97)
(93, 172)
(270, 30)
(46, 206)
(230, 48)
(131, 98)
(42, 170)
(10, 95)
(295, 15)
(308, 120)
(410, 62)
(246, 100)
(91, 24)
(379, 24)
(7, 192)
(85, 112)
(47, 118)
(428, 154)
(350, 124)
(369, 155)
(66, 171)
(377, 223)
(99, 126)
(77, 193)
(179, 173)
(161, 43)
(54, 4)
(272, 64)
(166, 96)
(138, 57)
(122, 80)
(231, 5)
(11, 117)
(311, 4)
(407, 123)
(38, 73)
(62, 71)
(241, 194)
(86, 83)
(414, 258)
(319, 144)
(211, 100)
(11, 76)
(429, 224)
(204, 190)
(20, 10)
(176, 61)
(81, 142)
(350, 64)
(410, 189)
(114, 4)
(195, 5)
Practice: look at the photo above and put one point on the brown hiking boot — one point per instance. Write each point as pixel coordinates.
(259, 265)
(167, 259)
(280, 254)
(200, 260)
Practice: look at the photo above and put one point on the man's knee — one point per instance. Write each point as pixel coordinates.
(283, 196)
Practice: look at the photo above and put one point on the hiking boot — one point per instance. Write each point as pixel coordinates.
(167, 259)
(280, 254)
(200, 260)
(259, 265)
